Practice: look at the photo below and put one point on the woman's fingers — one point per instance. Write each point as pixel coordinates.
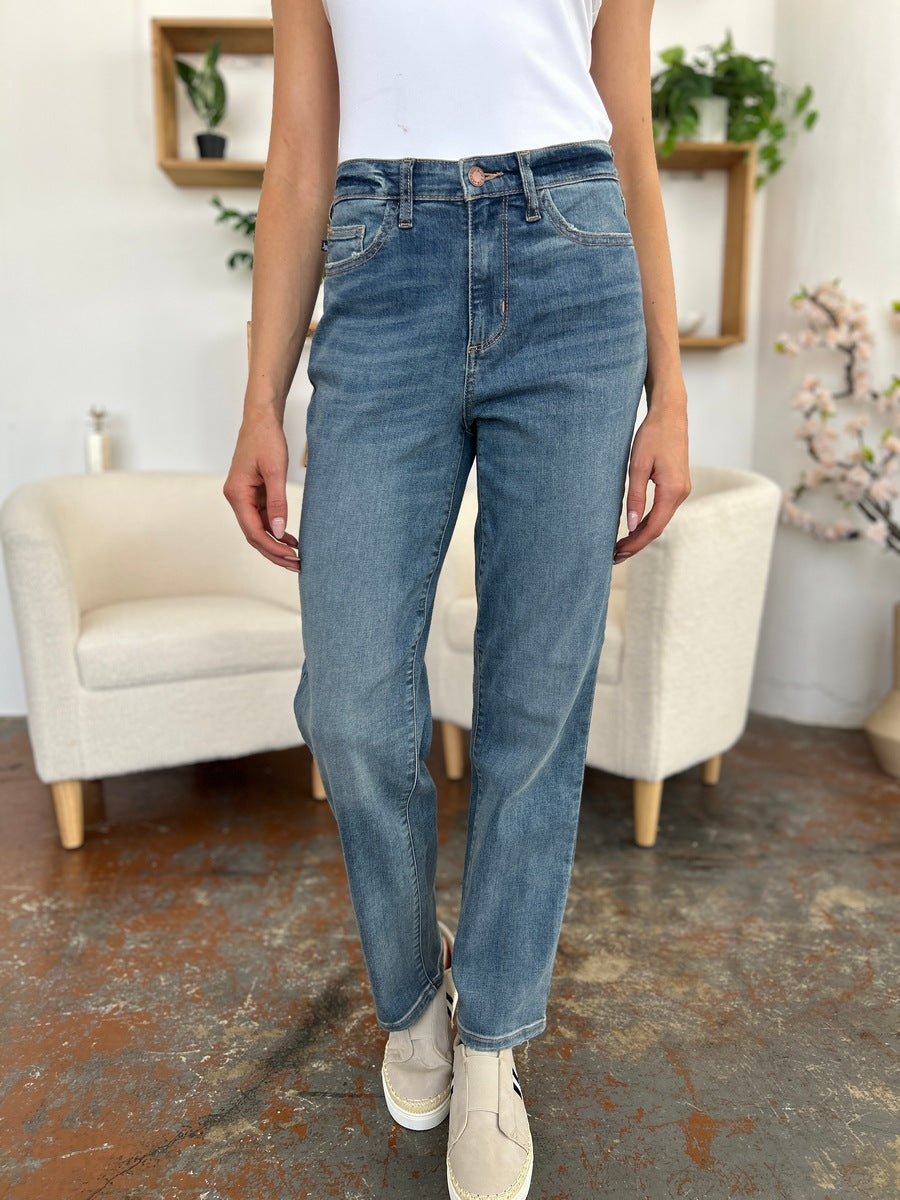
(659, 453)
(664, 504)
(247, 498)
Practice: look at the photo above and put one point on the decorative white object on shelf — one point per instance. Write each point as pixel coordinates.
(689, 322)
(97, 446)
(713, 123)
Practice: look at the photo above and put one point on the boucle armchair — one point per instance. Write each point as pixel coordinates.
(151, 633)
(682, 629)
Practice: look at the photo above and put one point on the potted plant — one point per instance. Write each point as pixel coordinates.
(754, 106)
(206, 92)
(857, 462)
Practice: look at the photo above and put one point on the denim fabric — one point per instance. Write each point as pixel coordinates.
(493, 317)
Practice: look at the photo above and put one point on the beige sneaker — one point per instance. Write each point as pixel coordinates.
(418, 1061)
(489, 1150)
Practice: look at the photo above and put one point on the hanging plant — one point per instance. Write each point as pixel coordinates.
(760, 109)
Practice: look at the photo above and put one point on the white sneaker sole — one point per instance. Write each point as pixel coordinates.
(520, 1194)
(415, 1120)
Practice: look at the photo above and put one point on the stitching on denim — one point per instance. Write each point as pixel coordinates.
(523, 1031)
(468, 389)
(471, 328)
(532, 210)
(424, 605)
(583, 237)
(406, 196)
(504, 189)
(504, 225)
(388, 224)
(476, 719)
(339, 232)
(411, 1015)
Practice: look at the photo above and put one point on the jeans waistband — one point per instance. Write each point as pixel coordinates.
(417, 179)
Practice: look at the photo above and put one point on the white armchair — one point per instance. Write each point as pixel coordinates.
(151, 633)
(682, 629)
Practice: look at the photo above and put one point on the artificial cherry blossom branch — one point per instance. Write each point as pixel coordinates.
(866, 478)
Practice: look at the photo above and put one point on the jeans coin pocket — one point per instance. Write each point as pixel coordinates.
(589, 211)
(358, 226)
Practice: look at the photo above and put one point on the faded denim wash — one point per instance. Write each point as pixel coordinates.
(484, 310)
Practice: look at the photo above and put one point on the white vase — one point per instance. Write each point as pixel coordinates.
(713, 123)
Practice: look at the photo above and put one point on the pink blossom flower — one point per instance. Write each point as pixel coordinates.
(876, 531)
(826, 402)
(857, 424)
(803, 399)
(883, 490)
(862, 472)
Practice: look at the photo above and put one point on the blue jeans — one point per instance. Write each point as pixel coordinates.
(484, 310)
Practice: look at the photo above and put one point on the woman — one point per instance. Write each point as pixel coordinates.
(498, 292)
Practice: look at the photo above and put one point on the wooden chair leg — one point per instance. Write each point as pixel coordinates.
(647, 799)
(712, 769)
(68, 801)
(454, 742)
(318, 787)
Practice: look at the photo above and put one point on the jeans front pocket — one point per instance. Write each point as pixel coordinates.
(365, 225)
(590, 211)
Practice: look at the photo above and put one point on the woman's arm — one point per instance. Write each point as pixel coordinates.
(287, 264)
(620, 67)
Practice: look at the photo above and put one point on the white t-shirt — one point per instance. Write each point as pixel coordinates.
(457, 78)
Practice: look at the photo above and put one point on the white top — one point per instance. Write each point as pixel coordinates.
(458, 78)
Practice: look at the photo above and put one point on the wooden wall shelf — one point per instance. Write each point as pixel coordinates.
(194, 35)
(738, 159)
(172, 36)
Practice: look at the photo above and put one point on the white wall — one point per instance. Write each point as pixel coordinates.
(115, 288)
(833, 211)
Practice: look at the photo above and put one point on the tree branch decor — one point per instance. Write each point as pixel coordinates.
(863, 473)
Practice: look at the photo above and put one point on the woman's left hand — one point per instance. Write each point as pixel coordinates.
(659, 452)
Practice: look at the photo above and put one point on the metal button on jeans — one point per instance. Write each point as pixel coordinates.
(476, 175)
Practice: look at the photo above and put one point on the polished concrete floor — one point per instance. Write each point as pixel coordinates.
(185, 1012)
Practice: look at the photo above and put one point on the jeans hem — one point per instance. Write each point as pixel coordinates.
(413, 1014)
(503, 1041)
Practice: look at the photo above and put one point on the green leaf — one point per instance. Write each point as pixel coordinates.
(675, 54)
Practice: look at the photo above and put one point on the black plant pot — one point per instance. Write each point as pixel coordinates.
(211, 145)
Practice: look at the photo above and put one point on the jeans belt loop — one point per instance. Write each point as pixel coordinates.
(406, 197)
(532, 212)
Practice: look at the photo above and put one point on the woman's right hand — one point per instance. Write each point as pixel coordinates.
(256, 488)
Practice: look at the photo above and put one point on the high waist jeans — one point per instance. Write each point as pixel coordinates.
(484, 310)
